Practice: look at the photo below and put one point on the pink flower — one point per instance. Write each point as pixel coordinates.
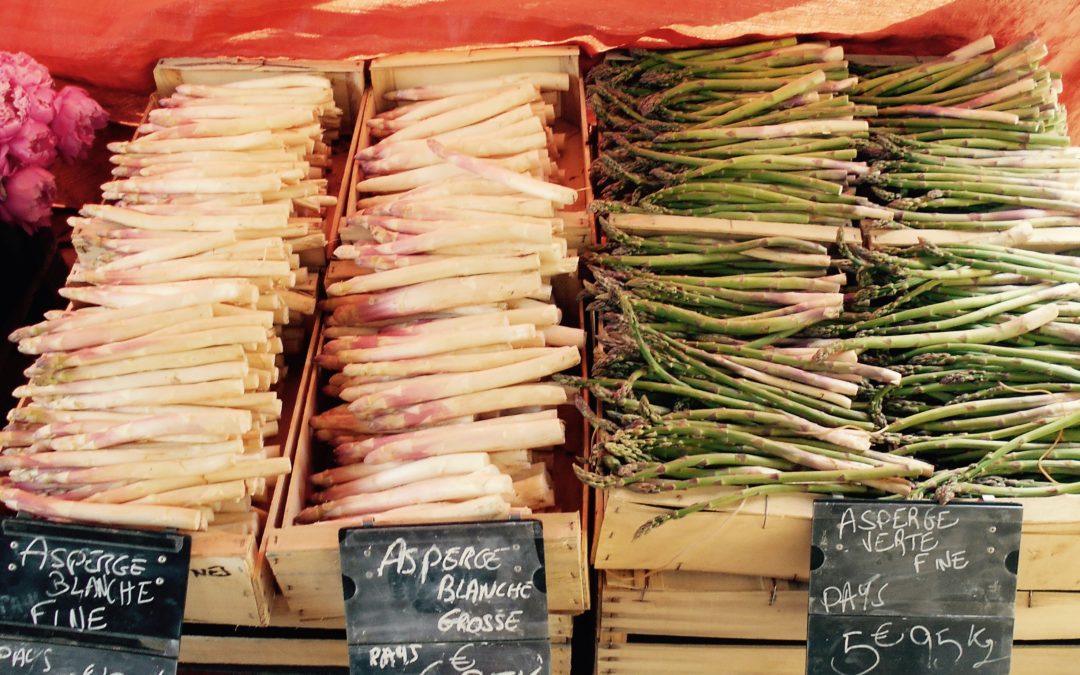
(7, 167)
(33, 78)
(22, 68)
(33, 145)
(14, 106)
(28, 197)
(77, 118)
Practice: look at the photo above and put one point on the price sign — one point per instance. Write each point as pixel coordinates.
(90, 600)
(912, 587)
(461, 598)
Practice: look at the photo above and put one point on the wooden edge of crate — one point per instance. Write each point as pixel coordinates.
(346, 75)
(471, 56)
(771, 537)
(1057, 514)
(560, 626)
(323, 646)
(307, 568)
(721, 606)
(648, 658)
(394, 72)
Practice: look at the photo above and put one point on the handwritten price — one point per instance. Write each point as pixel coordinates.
(864, 650)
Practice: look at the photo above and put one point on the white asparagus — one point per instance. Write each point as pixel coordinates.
(431, 387)
(563, 196)
(428, 345)
(160, 395)
(522, 436)
(546, 81)
(490, 507)
(152, 516)
(236, 368)
(112, 332)
(431, 271)
(470, 486)
(433, 296)
(199, 494)
(96, 316)
(487, 401)
(450, 363)
(260, 140)
(499, 102)
(91, 458)
(410, 472)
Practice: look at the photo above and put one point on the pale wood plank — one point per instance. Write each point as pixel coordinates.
(650, 659)
(772, 537)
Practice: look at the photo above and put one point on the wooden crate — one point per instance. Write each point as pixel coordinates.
(644, 616)
(305, 558)
(231, 582)
(323, 643)
(345, 75)
(771, 537)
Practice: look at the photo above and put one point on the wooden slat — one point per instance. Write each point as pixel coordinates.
(330, 650)
(560, 626)
(263, 651)
(780, 614)
(650, 659)
(772, 537)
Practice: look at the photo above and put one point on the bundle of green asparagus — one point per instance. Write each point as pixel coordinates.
(441, 330)
(763, 131)
(705, 377)
(151, 399)
(985, 337)
(767, 365)
(974, 140)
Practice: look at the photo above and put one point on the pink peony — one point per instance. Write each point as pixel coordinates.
(28, 197)
(33, 79)
(33, 145)
(25, 70)
(7, 167)
(14, 106)
(77, 118)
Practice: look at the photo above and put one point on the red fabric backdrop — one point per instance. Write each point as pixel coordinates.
(114, 43)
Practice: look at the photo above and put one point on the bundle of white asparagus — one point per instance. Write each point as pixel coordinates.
(441, 327)
(151, 397)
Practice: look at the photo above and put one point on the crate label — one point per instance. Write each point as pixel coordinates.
(93, 587)
(903, 587)
(518, 657)
(443, 587)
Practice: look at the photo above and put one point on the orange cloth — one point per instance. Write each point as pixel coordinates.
(114, 43)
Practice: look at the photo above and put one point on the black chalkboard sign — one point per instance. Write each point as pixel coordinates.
(21, 656)
(94, 596)
(912, 587)
(419, 594)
